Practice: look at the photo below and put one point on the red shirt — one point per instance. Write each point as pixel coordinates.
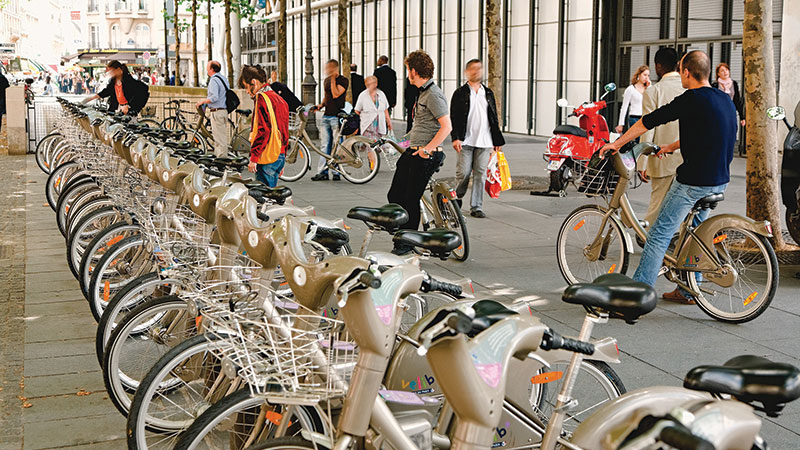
(120, 95)
(264, 131)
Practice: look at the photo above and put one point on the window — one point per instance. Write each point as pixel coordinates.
(142, 5)
(115, 36)
(94, 36)
(94, 5)
(143, 36)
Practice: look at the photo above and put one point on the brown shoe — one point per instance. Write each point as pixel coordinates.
(677, 296)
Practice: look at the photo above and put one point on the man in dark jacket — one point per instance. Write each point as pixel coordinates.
(356, 82)
(387, 80)
(409, 100)
(476, 134)
(124, 93)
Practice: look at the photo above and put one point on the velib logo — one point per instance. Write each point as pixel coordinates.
(422, 385)
(331, 312)
(499, 434)
(691, 261)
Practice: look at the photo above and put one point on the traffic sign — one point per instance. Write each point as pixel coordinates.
(146, 56)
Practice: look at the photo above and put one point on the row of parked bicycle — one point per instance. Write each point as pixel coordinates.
(228, 318)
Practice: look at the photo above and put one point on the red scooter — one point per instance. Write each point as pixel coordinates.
(571, 147)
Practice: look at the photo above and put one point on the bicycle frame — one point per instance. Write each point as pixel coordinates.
(341, 152)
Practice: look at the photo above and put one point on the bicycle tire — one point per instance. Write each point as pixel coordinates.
(135, 293)
(771, 261)
(119, 387)
(197, 139)
(286, 443)
(372, 157)
(301, 161)
(172, 123)
(78, 236)
(85, 207)
(235, 403)
(134, 244)
(56, 180)
(42, 149)
(619, 265)
(114, 232)
(447, 208)
(151, 123)
(69, 197)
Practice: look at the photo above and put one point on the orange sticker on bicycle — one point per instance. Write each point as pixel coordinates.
(274, 417)
(750, 298)
(114, 240)
(720, 238)
(579, 225)
(611, 270)
(546, 377)
(106, 291)
(197, 321)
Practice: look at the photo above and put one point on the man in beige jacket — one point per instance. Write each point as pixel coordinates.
(661, 171)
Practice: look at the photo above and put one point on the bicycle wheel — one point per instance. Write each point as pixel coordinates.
(85, 206)
(453, 220)
(43, 148)
(595, 384)
(754, 284)
(139, 341)
(150, 123)
(172, 123)
(240, 145)
(577, 233)
(146, 287)
(125, 261)
(58, 180)
(70, 197)
(286, 443)
(237, 421)
(182, 384)
(94, 252)
(366, 165)
(84, 231)
(197, 140)
(298, 161)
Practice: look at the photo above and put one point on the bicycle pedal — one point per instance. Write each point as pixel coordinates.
(663, 270)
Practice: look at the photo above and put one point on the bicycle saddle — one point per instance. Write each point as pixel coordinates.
(185, 145)
(709, 201)
(440, 242)
(245, 112)
(570, 129)
(388, 217)
(487, 313)
(278, 194)
(614, 293)
(750, 379)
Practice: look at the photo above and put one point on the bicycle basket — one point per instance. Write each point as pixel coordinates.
(599, 178)
(294, 121)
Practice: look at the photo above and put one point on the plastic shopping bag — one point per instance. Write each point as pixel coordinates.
(493, 183)
(505, 171)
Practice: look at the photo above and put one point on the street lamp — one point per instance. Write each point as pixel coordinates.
(309, 84)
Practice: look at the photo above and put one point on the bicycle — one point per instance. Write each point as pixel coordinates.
(726, 262)
(355, 158)
(200, 135)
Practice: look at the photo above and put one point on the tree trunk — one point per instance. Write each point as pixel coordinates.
(177, 27)
(493, 66)
(283, 53)
(763, 172)
(228, 52)
(344, 45)
(195, 71)
(209, 41)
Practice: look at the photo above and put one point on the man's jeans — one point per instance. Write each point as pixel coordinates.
(329, 126)
(676, 206)
(268, 173)
(472, 161)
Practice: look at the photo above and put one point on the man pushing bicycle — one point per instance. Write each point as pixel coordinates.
(708, 127)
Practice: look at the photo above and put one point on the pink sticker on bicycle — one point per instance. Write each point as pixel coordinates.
(385, 313)
(490, 373)
(403, 397)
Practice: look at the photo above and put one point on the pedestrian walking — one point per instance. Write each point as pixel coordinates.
(216, 107)
(387, 80)
(356, 82)
(124, 93)
(335, 85)
(4, 84)
(660, 172)
(373, 109)
(172, 79)
(269, 135)
(708, 127)
(430, 128)
(476, 134)
(632, 98)
(729, 86)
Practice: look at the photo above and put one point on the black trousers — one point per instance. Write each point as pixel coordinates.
(410, 181)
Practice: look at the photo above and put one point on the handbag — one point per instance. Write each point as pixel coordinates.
(505, 171)
(493, 185)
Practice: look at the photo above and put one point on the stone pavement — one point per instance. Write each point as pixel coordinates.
(512, 257)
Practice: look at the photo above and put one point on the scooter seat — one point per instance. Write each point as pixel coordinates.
(709, 201)
(388, 217)
(570, 129)
(614, 293)
(439, 242)
(750, 379)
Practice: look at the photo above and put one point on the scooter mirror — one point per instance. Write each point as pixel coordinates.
(610, 87)
(776, 113)
(562, 102)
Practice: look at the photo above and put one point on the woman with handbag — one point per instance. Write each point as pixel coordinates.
(373, 107)
(269, 135)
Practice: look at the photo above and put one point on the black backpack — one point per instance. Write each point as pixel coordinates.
(231, 99)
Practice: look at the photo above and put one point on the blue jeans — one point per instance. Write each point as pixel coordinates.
(268, 173)
(329, 126)
(676, 206)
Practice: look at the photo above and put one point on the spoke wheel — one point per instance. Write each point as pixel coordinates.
(453, 220)
(298, 161)
(366, 165)
(577, 234)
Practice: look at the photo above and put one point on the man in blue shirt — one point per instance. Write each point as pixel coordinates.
(708, 127)
(217, 110)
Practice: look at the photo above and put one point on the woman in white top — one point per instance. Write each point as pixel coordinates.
(632, 99)
(373, 107)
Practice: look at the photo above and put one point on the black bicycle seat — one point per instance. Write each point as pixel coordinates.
(245, 112)
(278, 194)
(709, 201)
(487, 313)
(387, 217)
(184, 145)
(440, 242)
(614, 293)
(750, 379)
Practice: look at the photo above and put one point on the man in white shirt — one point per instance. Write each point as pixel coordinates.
(476, 134)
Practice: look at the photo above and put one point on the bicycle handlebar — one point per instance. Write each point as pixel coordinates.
(433, 285)
(554, 341)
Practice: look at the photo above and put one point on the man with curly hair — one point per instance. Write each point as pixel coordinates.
(430, 128)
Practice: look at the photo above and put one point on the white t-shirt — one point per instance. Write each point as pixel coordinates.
(631, 103)
(478, 131)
